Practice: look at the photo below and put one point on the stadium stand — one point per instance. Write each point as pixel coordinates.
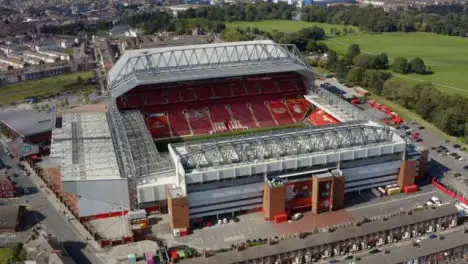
(320, 118)
(200, 121)
(215, 106)
(158, 125)
(297, 107)
(280, 112)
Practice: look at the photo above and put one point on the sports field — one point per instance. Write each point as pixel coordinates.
(286, 25)
(446, 56)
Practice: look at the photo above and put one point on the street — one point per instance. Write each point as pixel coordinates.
(44, 212)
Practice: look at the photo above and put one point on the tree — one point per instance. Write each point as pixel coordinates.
(400, 65)
(365, 61)
(353, 51)
(354, 76)
(417, 65)
(79, 79)
(427, 101)
(234, 34)
(381, 61)
(10, 68)
(332, 59)
(312, 33)
(340, 69)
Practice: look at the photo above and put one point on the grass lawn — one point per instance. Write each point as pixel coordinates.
(446, 56)
(286, 25)
(6, 253)
(45, 87)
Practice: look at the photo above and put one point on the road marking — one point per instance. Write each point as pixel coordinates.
(391, 201)
(234, 238)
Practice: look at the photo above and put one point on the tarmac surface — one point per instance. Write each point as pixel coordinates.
(43, 212)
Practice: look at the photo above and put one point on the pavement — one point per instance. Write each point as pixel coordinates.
(367, 205)
(47, 211)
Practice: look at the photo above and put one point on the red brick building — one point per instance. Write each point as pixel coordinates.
(7, 187)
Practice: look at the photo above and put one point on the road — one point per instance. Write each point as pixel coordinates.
(53, 221)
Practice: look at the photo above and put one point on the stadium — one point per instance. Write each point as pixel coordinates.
(248, 129)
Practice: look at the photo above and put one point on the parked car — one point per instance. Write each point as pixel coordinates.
(456, 146)
(296, 216)
(432, 236)
(436, 200)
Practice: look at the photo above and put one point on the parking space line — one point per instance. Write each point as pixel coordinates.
(391, 201)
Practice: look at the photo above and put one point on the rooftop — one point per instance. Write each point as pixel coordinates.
(327, 237)
(426, 247)
(9, 216)
(171, 64)
(279, 144)
(28, 122)
(85, 148)
(148, 161)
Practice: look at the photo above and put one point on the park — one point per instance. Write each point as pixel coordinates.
(446, 56)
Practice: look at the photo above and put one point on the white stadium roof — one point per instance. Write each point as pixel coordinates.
(186, 63)
(84, 146)
(276, 145)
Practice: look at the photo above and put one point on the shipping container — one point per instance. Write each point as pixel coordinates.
(410, 189)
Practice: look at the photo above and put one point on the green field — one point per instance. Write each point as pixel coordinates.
(286, 25)
(6, 253)
(67, 83)
(446, 56)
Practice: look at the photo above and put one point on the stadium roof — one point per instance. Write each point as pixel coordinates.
(148, 161)
(276, 145)
(85, 148)
(29, 122)
(186, 63)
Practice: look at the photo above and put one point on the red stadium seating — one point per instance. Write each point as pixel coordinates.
(173, 96)
(159, 125)
(320, 118)
(262, 113)
(242, 113)
(269, 86)
(238, 89)
(222, 90)
(200, 121)
(252, 87)
(187, 94)
(280, 113)
(178, 122)
(219, 113)
(215, 107)
(203, 92)
(287, 85)
(297, 107)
